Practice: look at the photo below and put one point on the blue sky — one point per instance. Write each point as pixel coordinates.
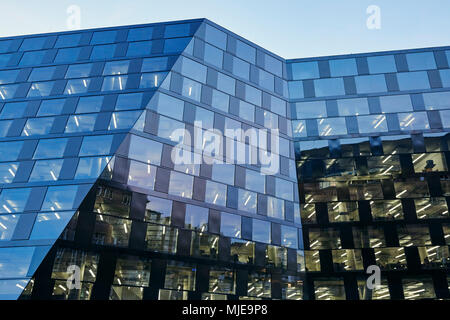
(290, 28)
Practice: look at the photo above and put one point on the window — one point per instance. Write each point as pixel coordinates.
(14, 200)
(168, 106)
(204, 118)
(50, 148)
(230, 225)
(68, 40)
(397, 103)
(371, 124)
(151, 80)
(226, 84)
(381, 64)
(413, 80)
(175, 45)
(137, 34)
(223, 173)
(273, 65)
(147, 151)
(278, 106)
(8, 172)
(158, 210)
(51, 107)
(220, 101)
(304, 70)
(114, 83)
(123, 120)
(141, 48)
(296, 89)
(142, 175)
(41, 89)
(275, 208)
(4, 59)
(284, 189)
(96, 145)
(255, 181)
(353, 107)
(191, 89)
(216, 193)
(196, 218)
(154, 64)
(116, 67)
(77, 86)
(7, 226)
(299, 127)
(246, 111)
(436, 100)
(370, 84)
(8, 76)
(329, 87)
(445, 77)
(92, 167)
(289, 237)
(216, 37)
(309, 110)
(413, 121)
(67, 55)
(46, 170)
(213, 55)
(421, 61)
(32, 58)
(193, 70)
(60, 198)
(241, 68)
(181, 184)
(343, 67)
(81, 123)
(171, 129)
(89, 104)
(332, 126)
(13, 110)
(261, 231)
(37, 126)
(41, 74)
(103, 52)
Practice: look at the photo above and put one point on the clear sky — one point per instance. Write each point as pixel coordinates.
(289, 28)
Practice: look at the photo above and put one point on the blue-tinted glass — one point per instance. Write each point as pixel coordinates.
(68, 40)
(332, 126)
(103, 52)
(255, 181)
(129, 101)
(137, 34)
(96, 145)
(329, 87)
(141, 48)
(79, 70)
(145, 150)
(177, 30)
(59, 198)
(261, 231)
(226, 84)
(42, 74)
(8, 172)
(253, 95)
(41, 89)
(193, 70)
(421, 61)
(289, 237)
(445, 78)
(413, 121)
(77, 86)
(413, 80)
(46, 170)
(273, 65)
(37, 126)
(266, 80)
(191, 89)
(13, 110)
(15, 262)
(4, 59)
(89, 104)
(353, 107)
(175, 45)
(223, 173)
(246, 111)
(67, 55)
(305, 70)
(299, 128)
(154, 64)
(32, 44)
(5, 45)
(181, 184)
(230, 225)
(101, 37)
(220, 101)
(370, 84)
(213, 55)
(216, 37)
(8, 76)
(381, 64)
(371, 124)
(9, 151)
(241, 68)
(275, 208)
(81, 123)
(204, 118)
(312, 109)
(7, 225)
(397, 103)
(50, 148)
(8, 91)
(114, 83)
(91, 168)
(245, 51)
(296, 89)
(152, 80)
(49, 225)
(116, 67)
(169, 106)
(14, 200)
(51, 107)
(169, 129)
(32, 58)
(123, 120)
(343, 67)
(4, 127)
(436, 100)
(196, 218)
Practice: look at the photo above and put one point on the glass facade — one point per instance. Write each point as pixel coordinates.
(90, 122)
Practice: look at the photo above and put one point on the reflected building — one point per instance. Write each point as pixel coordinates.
(89, 124)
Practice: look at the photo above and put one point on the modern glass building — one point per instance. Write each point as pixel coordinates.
(298, 174)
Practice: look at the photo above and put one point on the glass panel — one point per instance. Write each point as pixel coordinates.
(181, 184)
(13, 200)
(304, 70)
(96, 145)
(81, 123)
(343, 67)
(216, 193)
(50, 148)
(413, 80)
(142, 175)
(371, 124)
(309, 110)
(421, 61)
(329, 87)
(370, 84)
(60, 198)
(92, 167)
(381, 64)
(230, 225)
(47, 170)
(196, 218)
